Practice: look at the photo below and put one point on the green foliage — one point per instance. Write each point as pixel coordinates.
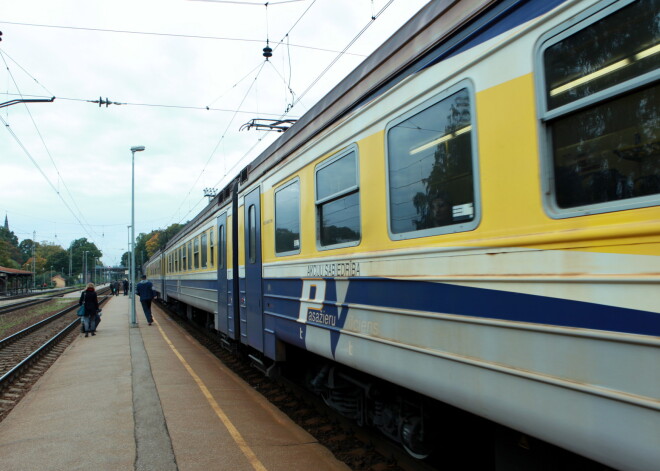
(146, 245)
(10, 255)
(25, 247)
(77, 251)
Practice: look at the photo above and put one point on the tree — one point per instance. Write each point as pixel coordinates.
(78, 248)
(8, 255)
(25, 247)
(39, 264)
(153, 244)
(168, 234)
(125, 260)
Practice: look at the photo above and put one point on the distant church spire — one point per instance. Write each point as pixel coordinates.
(6, 222)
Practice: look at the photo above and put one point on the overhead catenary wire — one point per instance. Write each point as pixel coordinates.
(36, 164)
(285, 37)
(253, 4)
(334, 61)
(26, 72)
(155, 105)
(222, 137)
(50, 156)
(340, 54)
(173, 35)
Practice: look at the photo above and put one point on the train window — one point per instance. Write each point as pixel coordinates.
(196, 253)
(600, 110)
(221, 246)
(432, 167)
(184, 263)
(338, 200)
(204, 251)
(287, 219)
(211, 248)
(252, 234)
(190, 258)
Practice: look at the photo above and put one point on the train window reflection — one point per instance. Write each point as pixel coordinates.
(431, 181)
(606, 150)
(221, 246)
(211, 248)
(252, 234)
(184, 264)
(287, 219)
(620, 47)
(196, 254)
(204, 251)
(337, 200)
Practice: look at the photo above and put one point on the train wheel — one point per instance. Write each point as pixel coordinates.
(413, 438)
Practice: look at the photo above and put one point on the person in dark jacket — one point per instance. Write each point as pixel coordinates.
(146, 292)
(91, 302)
(125, 286)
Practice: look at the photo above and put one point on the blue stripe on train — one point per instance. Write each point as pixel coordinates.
(283, 299)
(504, 305)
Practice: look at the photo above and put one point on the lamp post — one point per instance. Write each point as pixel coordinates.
(132, 280)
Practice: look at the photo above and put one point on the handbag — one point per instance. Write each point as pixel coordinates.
(81, 309)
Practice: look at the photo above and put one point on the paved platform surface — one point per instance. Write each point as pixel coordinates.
(150, 398)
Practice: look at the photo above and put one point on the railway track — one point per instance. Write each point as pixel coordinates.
(32, 302)
(359, 448)
(26, 355)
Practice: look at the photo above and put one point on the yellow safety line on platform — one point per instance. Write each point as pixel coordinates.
(235, 434)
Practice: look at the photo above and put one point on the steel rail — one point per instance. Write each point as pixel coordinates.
(28, 330)
(21, 305)
(9, 377)
(12, 338)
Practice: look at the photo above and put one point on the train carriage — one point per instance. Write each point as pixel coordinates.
(471, 215)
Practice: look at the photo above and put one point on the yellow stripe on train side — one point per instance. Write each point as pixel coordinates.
(511, 197)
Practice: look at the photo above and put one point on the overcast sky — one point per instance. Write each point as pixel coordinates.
(65, 167)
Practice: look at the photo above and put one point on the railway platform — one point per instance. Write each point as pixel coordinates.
(150, 398)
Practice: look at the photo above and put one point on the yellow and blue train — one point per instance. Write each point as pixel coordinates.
(470, 217)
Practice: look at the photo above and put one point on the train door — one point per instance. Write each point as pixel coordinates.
(222, 317)
(253, 288)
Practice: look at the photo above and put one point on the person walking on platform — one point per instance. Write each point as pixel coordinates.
(146, 292)
(91, 302)
(115, 288)
(125, 286)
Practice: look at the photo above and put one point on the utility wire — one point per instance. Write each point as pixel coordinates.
(172, 35)
(155, 105)
(237, 2)
(222, 137)
(50, 156)
(50, 94)
(294, 25)
(373, 18)
(11, 131)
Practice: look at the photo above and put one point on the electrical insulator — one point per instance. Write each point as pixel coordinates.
(268, 52)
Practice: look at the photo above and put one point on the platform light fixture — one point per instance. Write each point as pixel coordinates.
(131, 281)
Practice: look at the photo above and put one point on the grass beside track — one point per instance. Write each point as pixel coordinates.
(16, 321)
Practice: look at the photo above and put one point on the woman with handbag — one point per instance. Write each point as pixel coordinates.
(90, 300)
